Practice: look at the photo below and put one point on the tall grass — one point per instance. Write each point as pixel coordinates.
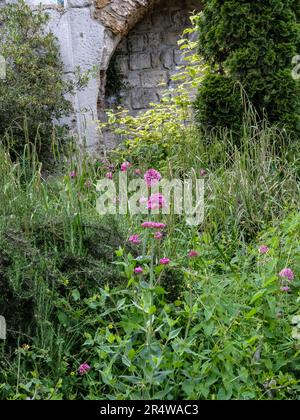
(56, 251)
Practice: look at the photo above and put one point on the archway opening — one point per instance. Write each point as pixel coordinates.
(147, 57)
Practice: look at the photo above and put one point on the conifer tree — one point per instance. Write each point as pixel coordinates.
(249, 44)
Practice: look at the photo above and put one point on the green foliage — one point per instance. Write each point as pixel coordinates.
(32, 95)
(249, 44)
(240, 175)
(155, 133)
(51, 239)
(213, 326)
(219, 103)
(229, 335)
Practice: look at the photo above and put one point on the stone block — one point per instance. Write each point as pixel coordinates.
(137, 43)
(154, 78)
(101, 3)
(156, 61)
(170, 38)
(167, 58)
(144, 25)
(154, 40)
(141, 98)
(140, 61)
(161, 21)
(79, 3)
(133, 79)
(180, 19)
(179, 58)
(121, 64)
(122, 47)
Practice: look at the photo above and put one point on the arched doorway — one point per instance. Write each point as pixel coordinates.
(94, 34)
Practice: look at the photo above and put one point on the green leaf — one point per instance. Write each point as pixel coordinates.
(76, 295)
(173, 334)
(152, 310)
(258, 295)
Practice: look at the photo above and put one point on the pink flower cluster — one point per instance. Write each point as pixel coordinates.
(164, 261)
(263, 249)
(152, 177)
(156, 201)
(153, 225)
(125, 166)
(109, 175)
(158, 235)
(84, 368)
(135, 239)
(285, 289)
(287, 275)
(193, 254)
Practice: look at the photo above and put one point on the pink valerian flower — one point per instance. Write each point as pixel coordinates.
(83, 368)
(152, 177)
(285, 289)
(156, 201)
(193, 254)
(158, 235)
(153, 225)
(287, 274)
(263, 249)
(125, 166)
(73, 174)
(138, 270)
(203, 172)
(164, 261)
(135, 239)
(109, 175)
(137, 172)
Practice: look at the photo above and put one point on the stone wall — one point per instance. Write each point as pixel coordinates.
(89, 31)
(149, 56)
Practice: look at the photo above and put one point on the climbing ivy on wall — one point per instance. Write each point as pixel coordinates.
(249, 44)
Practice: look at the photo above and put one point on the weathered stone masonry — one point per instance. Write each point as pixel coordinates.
(148, 57)
(89, 32)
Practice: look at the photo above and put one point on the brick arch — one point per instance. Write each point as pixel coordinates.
(120, 16)
(95, 30)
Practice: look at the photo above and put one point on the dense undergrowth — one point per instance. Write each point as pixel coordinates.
(214, 325)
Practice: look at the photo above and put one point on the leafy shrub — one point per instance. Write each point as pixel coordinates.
(249, 44)
(32, 95)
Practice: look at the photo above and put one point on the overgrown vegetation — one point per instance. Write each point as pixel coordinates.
(106, 307)
(250, 45)
(32, 96)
